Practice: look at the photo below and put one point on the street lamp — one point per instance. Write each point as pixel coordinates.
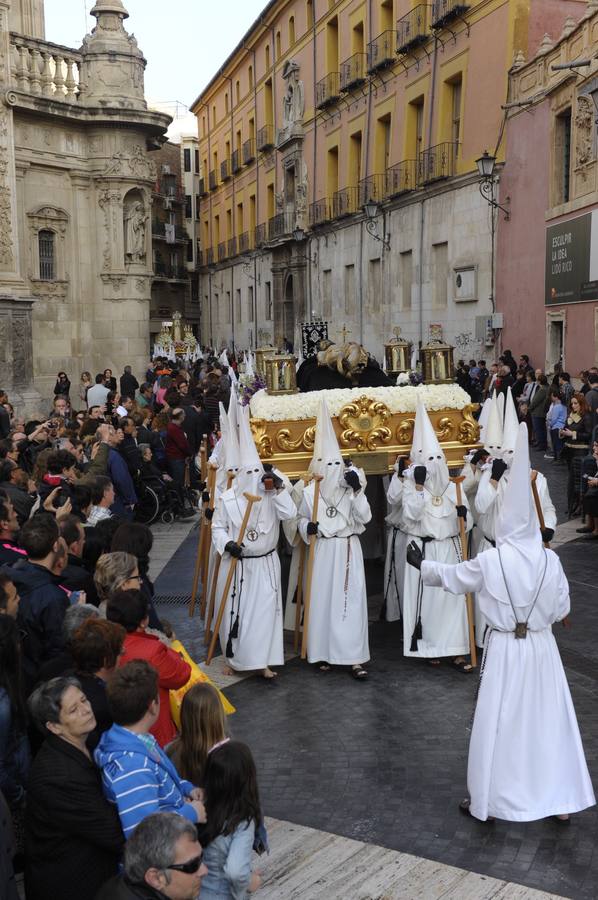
(486, 164)
(299, 236)
(372, 211)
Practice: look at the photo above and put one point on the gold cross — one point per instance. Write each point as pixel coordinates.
(344, 333)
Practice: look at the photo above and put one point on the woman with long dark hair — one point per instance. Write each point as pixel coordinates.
(233, 809)
(203, 729)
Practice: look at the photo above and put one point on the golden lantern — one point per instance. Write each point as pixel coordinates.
(281, 373)
(397, 353)
(437, 362)
(260, 355)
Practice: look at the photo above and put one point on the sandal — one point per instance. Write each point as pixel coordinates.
(359, 673)
(560, 821)
(464, 807)
(324, 667)
(433, 662)
(463, 666)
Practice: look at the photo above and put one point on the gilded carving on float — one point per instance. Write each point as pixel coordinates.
(304, 442)
(364, 424)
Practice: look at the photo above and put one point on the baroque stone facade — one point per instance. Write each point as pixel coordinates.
(76, 183)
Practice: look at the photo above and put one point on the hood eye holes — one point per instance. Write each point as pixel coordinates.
(329, 463)
(256, 470)
(337, 463)
(431, 458)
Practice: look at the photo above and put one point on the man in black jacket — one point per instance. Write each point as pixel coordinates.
(43, 602)
(75, 576)
(163, 860)
(128, 383)
(10, 552)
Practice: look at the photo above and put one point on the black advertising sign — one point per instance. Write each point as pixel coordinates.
(572, 260)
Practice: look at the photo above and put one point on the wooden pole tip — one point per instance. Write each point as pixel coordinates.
(252, 498)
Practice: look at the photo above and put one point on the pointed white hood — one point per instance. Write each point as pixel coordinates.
(483, 419)
(510, 430)
(426, 451)
(493, 429)
(251, 469)
(327, 460)
(233, 456)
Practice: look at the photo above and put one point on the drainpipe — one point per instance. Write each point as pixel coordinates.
(422, 207)
(315, 157)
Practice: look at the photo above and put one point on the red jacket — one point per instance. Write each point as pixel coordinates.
(173, 673)
(177, 445)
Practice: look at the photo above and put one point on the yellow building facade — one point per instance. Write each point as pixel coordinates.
(338, 178)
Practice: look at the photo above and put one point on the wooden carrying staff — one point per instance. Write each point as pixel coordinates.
(251, 499)
(310, 566)
(205, 549)
(214, 583)
(465, 555)
(201, 532)
(299, 602)
(539, 506)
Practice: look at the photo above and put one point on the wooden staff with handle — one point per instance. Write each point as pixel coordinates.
(205, 550)
(299, 603)
(201, 532)
(214, 583)
(465, 555)
(538, 506)
(310, 566)
(203, 459)
(251, 499)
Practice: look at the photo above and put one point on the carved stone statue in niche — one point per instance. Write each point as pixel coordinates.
(135, 224)
(294, 99)
(584, 124)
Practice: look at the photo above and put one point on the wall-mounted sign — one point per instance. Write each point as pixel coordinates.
(572, 260)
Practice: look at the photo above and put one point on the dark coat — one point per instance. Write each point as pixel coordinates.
(120, 889)
(73, 838)
(41, 614)
(20, 499)
(75, 577)
(196, 426)
(128, 385)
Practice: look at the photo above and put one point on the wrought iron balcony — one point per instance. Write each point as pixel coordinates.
(202, 187)
(213, 180)
(232, 246)
(445, 11)
(225, 172)
(320, 212)
(210, 256)
(265, 137)
(345, 202)
(353, 72)
(261, 234)
(382, 51)
(245, 243)
(281, 225)
(412, 29)
(401, 178)
(372, 188)
(328, 90)
(436, 163)
(221, 251)
(235, 162)
(248, 151)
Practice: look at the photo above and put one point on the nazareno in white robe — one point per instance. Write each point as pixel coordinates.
(526, 759)
(258, 601)
(443, 617)
(394, 566)
(338, 617)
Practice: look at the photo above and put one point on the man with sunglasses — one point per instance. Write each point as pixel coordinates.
(163, 859)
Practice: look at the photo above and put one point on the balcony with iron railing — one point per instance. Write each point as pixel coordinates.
(401, 178)
(245, 242)
(221, 251)
(225, 172)
(210, 256)
(319, 212)
(265, 137)
(261, 234)
(345, 202)
(236, 163)
(436, 163)
(412, 29)
(202, 187)
(328, 90)
(213, 180)
(232, 246)
(170, 273)
(372, 188)
(280, 226)
(382, 51)
(248, 151)
(353, 72)
(445, 11)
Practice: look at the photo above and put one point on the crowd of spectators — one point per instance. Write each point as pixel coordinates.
(100, 795)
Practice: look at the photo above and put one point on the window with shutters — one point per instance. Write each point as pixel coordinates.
(47, 255)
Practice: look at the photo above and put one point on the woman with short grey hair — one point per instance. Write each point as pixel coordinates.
(117, 571)
(73, 838)
(163, 858)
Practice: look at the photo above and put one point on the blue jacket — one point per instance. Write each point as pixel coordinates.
(119, 474)
(41, 613)
(557, 416)
(139, 778)
(228, 859)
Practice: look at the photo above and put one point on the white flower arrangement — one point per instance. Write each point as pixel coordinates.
(397, 399)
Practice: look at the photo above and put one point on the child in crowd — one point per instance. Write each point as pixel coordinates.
(233, 811)
(556, 419)
(203, 729)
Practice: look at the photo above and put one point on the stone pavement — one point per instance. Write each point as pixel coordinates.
(363, 779)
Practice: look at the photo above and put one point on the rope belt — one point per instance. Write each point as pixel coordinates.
(258, 555)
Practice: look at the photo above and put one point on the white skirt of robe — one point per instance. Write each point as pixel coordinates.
(526, 759)
(392, 587)
(481, 622)
(444, 616)
(260, 640)
(338, 624)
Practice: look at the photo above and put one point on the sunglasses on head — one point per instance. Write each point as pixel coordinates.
(189, 868)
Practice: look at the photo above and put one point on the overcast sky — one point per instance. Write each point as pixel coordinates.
(184, 41)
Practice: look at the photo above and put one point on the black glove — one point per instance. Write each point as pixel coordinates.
(205, 496)
(414, 555)
(233, 548)
(402, 465)
(419, 474)
(479, 455)
(267, 467)
(462, 512)
(547, 535)
(312, 528)
(202, 485)
(209, 514)
(348, 461)
(499, 467)
(352, 479)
